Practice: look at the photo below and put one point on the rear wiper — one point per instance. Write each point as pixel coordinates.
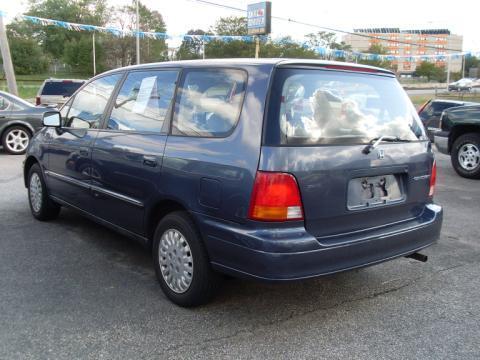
(372, 144)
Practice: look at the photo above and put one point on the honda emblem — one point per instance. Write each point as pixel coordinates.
(380, 153)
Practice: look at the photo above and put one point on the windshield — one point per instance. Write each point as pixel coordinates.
(327, 107)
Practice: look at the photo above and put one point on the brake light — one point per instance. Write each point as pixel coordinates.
(275, 197)
(433, 179)
(37, 100)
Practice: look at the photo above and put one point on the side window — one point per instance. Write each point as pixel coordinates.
(143, 101)
(209, 102)
(3, 103)
(86, 110)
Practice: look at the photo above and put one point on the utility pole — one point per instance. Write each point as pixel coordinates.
(448, 70)
(93, 52)
(138, 36)
(463, 66)
(257, 46)
(7, 60)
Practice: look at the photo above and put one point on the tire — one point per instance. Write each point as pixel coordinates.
(176, 235)
(15, 140)
(465, 155)
(42, 207)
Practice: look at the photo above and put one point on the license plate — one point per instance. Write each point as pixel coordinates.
(373, 191)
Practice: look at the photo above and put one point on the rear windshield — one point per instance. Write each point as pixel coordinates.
(312, 106)
(64, 88)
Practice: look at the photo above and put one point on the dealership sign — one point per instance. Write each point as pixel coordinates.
(259, 18)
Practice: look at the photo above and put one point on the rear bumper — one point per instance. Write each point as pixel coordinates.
(441, 142)
(293, 254)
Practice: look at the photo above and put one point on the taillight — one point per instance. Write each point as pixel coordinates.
(433, 179)
(275, 197)
(37, 100)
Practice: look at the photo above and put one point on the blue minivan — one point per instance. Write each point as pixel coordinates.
(267, 169)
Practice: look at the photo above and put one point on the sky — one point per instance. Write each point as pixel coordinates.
(183, 15)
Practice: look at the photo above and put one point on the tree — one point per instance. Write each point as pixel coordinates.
(326, 39)
(380, 50)
(27, 56)
(79, 54)
(191, 48)
(286, 47)
(121, 51)
(430, 71)
(232, 25)
(471, 62)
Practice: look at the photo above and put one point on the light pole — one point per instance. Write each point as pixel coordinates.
(138, 36)
(94, 57)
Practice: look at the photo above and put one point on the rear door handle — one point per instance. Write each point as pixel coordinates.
(150, 161)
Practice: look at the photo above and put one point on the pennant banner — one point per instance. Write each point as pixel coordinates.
(322, 51)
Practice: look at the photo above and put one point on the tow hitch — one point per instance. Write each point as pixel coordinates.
(417, 256)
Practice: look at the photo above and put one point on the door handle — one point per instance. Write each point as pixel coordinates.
(150, 161)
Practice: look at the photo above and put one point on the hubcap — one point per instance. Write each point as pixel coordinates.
(35, 191)
(17, 140)
(469, 157)
(176, 262)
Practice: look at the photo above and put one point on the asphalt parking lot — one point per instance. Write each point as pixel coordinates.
(73, 289)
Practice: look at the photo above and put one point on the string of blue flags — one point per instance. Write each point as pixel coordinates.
(322, 51)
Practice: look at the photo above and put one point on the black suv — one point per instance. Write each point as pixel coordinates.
(431, 111)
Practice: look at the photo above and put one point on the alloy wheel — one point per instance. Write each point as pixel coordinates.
(17, 140)
(469, 156)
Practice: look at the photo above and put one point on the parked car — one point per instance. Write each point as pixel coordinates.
(431, 111)
(57, 91)
(253, 168)
(460, 138)
(464, 84)
(19, 120)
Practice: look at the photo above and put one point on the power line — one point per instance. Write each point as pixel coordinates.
(206, 2)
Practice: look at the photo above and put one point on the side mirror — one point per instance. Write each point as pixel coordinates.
(52, 118)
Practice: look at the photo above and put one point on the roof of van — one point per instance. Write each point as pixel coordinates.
(269, 61)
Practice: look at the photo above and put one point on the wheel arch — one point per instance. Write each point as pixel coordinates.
(29, 162)
(460, 130)
(156, 212)
(13, 123)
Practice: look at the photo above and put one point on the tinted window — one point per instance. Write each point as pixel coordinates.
(209, 102)
(143, 101)
(64, 88)
(328, 107)
(3, 103)
(89, 104)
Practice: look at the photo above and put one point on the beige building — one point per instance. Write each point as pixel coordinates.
(430, 42)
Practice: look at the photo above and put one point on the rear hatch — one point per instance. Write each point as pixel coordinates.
(321, 127)
(57, 92)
